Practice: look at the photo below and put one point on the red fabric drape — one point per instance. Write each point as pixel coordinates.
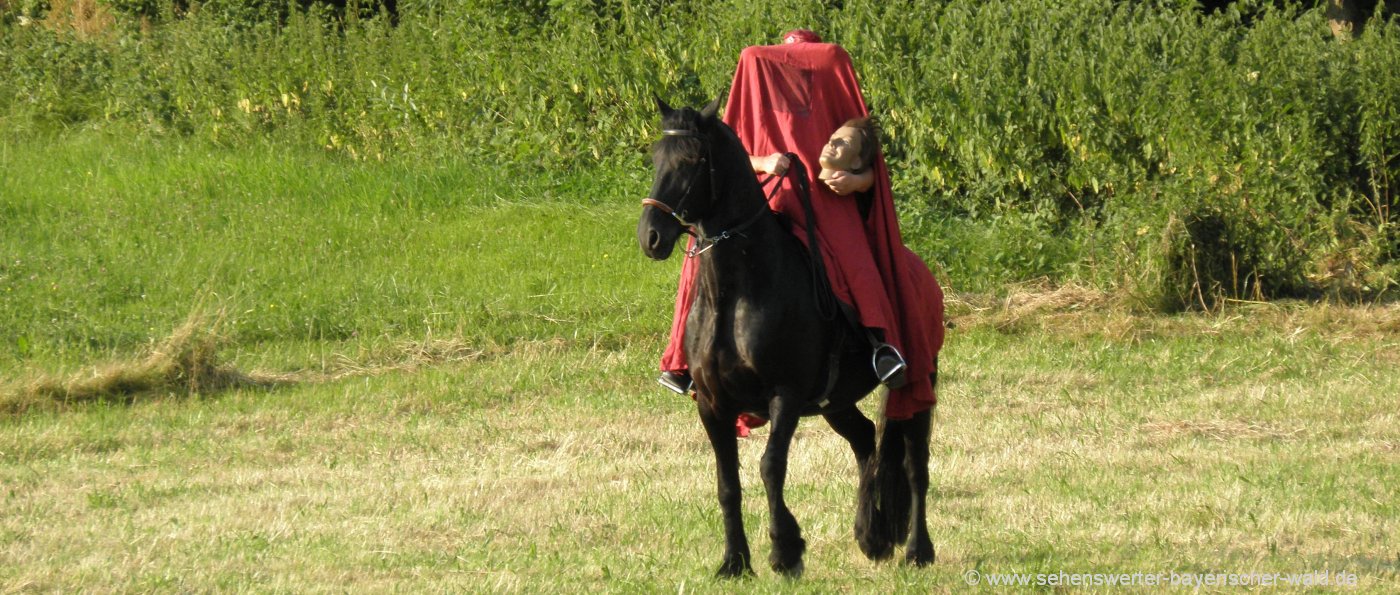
(790, 98)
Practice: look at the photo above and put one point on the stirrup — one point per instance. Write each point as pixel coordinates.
(889, 366)
(677, 382)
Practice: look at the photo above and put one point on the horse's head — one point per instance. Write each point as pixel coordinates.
(682, 193)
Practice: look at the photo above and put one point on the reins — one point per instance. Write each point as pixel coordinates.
(821, 284)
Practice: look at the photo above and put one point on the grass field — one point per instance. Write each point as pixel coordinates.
(456, 394)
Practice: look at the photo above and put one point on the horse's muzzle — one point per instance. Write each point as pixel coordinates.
(657, 233)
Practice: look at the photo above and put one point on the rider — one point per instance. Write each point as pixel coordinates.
(786, 98)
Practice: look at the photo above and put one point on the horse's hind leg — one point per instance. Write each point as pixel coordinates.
(720, 429)
(859, 431)
(788, 544)
(919, 548)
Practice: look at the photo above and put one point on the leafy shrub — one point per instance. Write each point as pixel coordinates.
(1088, 140)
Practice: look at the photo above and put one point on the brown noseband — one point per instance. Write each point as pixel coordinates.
(661, 206)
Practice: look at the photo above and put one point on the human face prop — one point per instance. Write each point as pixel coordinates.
(842, 152)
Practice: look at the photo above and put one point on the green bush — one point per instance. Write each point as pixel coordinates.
(1086, 140)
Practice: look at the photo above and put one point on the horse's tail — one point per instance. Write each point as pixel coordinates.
(885, 496)
(872, 534)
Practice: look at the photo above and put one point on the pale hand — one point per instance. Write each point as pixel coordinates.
(776, 164)
(844, 183)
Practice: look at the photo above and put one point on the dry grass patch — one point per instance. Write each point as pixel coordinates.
(399, 356)
(1073, 310)
(556, 466)
(1023, 303)
(1222, 429)
(86, 19)
(185, 363)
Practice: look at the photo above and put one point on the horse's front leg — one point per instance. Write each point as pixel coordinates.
(720, 429)
(788, 545)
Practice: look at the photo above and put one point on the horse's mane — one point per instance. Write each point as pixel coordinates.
(672, 151)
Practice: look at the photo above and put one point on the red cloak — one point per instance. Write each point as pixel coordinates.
(789, 99)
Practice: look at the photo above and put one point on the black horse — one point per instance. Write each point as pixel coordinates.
(756, 343)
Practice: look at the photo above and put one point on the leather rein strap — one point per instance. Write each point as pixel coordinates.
(825, 297)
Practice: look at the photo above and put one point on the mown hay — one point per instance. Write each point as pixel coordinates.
(1076, 310)
(184, 364)
(187, 364)
(1037, 300)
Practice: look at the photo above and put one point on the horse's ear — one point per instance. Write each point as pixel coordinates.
(709, 111)
(661, 105)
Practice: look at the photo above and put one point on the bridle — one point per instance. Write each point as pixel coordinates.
(827, 306)
(678, 212)
(704, 243)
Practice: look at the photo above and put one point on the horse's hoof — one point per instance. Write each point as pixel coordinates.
(792, 571)
(876, 549)
(876, 546)
(920, 556)
(788, 561)
(734, 568)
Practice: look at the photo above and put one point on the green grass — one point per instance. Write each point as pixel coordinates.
(110, 243)
(468, 401)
